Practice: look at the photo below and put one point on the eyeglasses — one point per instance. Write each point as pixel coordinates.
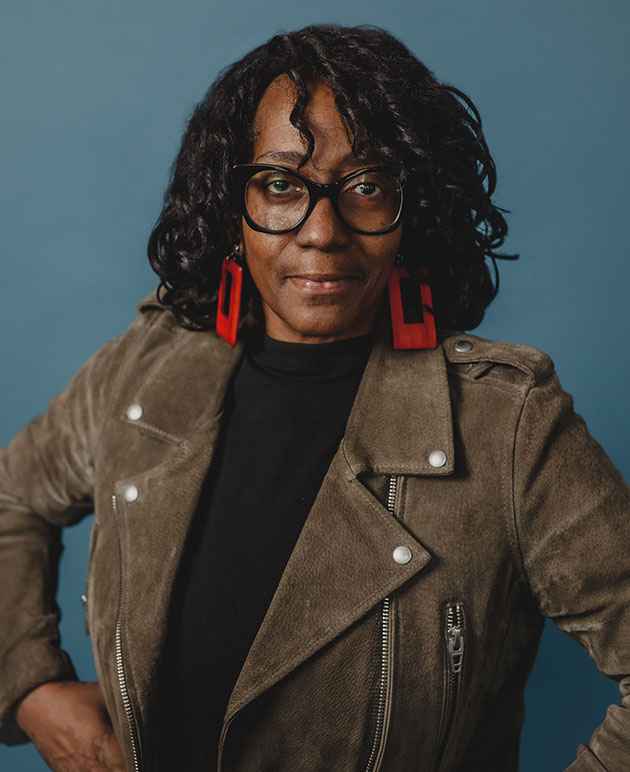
(274, 199)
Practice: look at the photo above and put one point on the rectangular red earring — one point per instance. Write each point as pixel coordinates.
(229, 300)
(411, 310)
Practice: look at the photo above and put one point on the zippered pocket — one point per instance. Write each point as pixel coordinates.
(454, 637)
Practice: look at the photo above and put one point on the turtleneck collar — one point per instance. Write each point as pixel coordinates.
(324, 361)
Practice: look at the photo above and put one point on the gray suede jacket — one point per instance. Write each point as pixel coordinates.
(466, 503)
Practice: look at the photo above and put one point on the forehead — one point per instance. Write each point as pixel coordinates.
(274, 133)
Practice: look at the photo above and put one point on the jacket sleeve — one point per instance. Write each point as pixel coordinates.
(572, 519)
(46, 482)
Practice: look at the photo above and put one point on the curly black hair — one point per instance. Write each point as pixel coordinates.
(392, 104)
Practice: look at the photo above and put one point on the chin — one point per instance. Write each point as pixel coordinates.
(320, 325)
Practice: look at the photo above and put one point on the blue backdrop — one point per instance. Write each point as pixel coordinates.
(95, 97)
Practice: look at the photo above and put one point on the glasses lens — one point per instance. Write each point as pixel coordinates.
(277, 200)
(371, 201)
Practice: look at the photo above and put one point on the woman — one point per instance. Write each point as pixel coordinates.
(328, 523)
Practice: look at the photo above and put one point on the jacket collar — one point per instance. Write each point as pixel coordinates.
(409, 383)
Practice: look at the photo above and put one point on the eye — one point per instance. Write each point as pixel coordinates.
(369, 185)
(279, 182)
(373, 185)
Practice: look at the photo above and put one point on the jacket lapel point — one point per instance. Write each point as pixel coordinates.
(340, 568)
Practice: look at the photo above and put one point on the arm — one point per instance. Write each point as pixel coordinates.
(46, 483)
(572, 520)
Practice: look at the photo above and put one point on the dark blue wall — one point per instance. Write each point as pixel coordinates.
(94, 98)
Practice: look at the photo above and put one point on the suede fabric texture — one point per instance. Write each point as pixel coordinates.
(527, 518)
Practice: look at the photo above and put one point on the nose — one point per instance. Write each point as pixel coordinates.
(323, 228)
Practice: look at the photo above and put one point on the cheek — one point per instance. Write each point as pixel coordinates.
(261, 259)
(381, 255)
(259, 273)
(380, 267)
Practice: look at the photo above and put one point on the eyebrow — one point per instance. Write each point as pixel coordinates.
(296, 156)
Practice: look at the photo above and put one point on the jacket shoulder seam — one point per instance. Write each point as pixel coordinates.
(494, 383)
(533, 362)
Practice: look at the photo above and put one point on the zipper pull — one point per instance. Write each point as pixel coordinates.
(455, 648)
(84, 603)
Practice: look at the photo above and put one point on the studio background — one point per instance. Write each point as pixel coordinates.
(95, 99)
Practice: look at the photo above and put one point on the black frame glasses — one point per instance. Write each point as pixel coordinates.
(241, 173)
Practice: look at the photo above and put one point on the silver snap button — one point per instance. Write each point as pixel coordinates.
(402, 554)
(131, 493)
(134, 411)
(463, 346)
(437, 458)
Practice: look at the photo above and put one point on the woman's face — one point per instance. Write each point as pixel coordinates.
(296, 309)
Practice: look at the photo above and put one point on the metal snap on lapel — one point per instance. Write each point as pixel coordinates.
(463, 346)
(437, 458)
(402, 554)
(131, 493)
(134, 411)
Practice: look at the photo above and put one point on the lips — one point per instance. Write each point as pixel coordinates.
(323, 282)
(324, 276)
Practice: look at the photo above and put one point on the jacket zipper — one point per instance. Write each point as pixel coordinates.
(121, 674)
(454, 629)
(384, 701)
(377, 753)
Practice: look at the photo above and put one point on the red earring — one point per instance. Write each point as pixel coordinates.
(229, 299)
(411, 310)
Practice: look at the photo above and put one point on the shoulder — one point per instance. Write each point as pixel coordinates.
(150, 313)
(149, 304)
(149, 317)
(496, 361)
(150, 330)
(114, 353)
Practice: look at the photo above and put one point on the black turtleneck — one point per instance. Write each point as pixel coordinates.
(286, 410)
